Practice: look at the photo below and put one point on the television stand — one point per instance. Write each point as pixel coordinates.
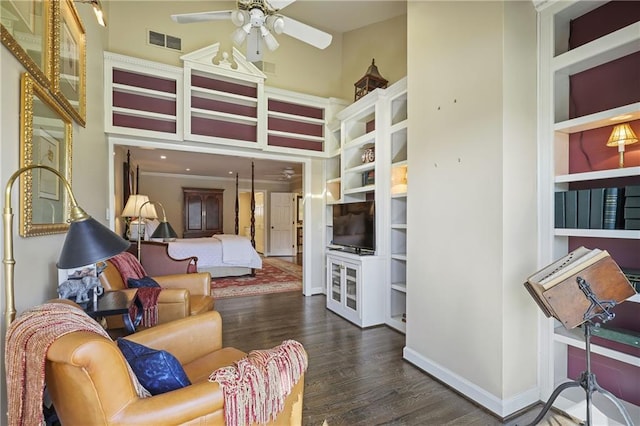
(355, 287)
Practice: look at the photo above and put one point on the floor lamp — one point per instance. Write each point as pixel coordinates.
(164, 230)
(87, 241)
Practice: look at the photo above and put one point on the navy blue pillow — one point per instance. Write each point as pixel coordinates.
(158, 371)
(142, 282)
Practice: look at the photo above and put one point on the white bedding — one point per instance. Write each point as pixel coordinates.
(219, 250)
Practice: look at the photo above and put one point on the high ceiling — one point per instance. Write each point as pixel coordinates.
(339, 16)
(329, 15)
(213, 165)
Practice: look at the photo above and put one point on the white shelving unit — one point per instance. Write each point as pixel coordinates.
(143, 98)
(396, 291)
(557, 65)
(376, 121)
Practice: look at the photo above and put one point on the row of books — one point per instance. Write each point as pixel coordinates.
(632, 207)
(598, 208)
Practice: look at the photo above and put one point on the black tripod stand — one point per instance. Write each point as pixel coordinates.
(597, 309)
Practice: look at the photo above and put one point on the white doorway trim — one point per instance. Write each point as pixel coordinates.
(307, 261)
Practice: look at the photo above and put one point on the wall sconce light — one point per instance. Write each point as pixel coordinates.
(164, 230)
(622, 135)
(87, 241)
(97, 10)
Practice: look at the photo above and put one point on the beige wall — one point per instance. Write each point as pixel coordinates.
(299, 67)
(35, 271)
(386, 42)
(472, 106)
(167, 189)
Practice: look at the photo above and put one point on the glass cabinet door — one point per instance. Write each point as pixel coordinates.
(351, 276)
(336, 282)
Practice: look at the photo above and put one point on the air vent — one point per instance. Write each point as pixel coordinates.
(174, 43)
(266, 67)
(162, 40)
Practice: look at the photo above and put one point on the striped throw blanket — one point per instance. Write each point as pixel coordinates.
(129, 267)
(256, 386)
(27, 342)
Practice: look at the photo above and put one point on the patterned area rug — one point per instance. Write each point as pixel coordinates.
(276, 276)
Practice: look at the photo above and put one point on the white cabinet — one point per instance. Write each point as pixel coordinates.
(573, 156)
(355, 287)
(373, 165)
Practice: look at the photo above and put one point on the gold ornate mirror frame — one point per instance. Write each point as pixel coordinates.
(69, 60)
(26, 31)
(45, 138)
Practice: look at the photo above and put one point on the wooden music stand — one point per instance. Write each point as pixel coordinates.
(587, 295)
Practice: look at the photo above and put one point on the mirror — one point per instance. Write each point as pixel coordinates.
(25, 31)
(45, 138)
(69, 65)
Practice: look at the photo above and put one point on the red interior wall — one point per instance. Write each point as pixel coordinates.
(608, 86)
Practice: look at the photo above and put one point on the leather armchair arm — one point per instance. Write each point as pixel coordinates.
(173, 295)
(202, 399)
(173, 303)
(198, 283)
(187, 339)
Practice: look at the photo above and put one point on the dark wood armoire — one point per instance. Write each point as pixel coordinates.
(202, 212)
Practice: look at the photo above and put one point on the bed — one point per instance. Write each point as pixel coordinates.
(222, 255)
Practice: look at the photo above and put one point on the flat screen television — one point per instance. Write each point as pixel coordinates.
(354, 225)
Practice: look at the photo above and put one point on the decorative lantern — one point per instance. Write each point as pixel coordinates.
(371, 81)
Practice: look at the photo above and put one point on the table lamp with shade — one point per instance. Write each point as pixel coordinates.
(138, 209)
(621, 135)
(87, 241)
(163, 230)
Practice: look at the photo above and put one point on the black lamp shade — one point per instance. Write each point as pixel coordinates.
(88, 241)
(164, 230)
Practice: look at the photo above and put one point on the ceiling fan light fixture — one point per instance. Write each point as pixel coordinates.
(269, 39)
(239, 17)
(275, 23)
(240, 34)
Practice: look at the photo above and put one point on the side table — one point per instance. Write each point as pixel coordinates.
(117, 302)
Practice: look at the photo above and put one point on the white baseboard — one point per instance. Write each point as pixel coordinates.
(502, 408)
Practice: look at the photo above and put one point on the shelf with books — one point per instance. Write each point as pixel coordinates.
(575, 121)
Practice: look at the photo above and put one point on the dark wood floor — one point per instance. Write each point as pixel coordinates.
(355, 376)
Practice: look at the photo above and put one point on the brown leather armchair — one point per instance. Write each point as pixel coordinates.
(89, 383)
(182, 295)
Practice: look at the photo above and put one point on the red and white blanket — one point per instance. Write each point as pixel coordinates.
(256, 386)
(129, 267)
(27, 342)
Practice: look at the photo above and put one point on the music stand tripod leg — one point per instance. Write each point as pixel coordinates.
(616, 402)
(552, 398)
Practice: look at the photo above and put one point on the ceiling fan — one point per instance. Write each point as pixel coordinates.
(286, 174)
(256, 21)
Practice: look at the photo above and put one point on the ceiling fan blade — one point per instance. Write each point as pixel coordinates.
(306, 33)
(187, 18)
(279, 4)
